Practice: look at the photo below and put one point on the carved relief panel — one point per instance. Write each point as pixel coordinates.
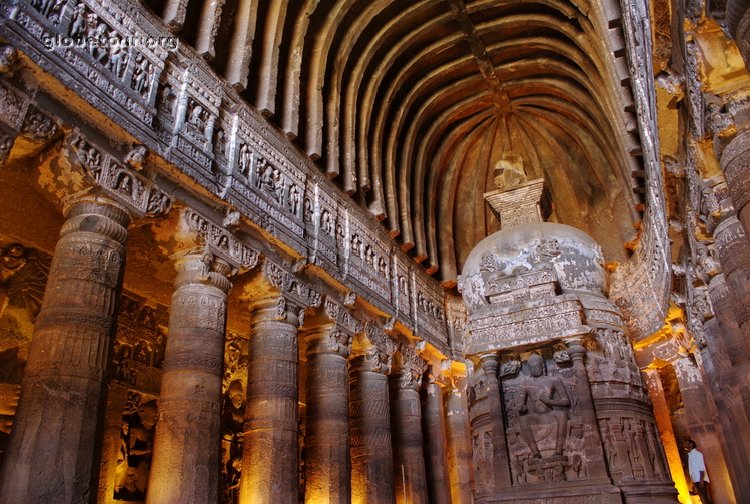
(232, 415)
(545, 421)
(266, 186)
(118, 60)
(136, 447)
(367, 261)
(139, 345)
(429, 311)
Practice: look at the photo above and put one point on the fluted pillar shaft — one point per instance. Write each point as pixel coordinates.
(185, 468)
(327, 435)
(370, 431)
(433, 414)
(269, 455)
(459, 445)
(408, 449)
(52, 449)
(501, 478)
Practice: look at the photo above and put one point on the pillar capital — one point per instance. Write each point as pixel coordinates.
(187, 232)
(412, 369)
(329, 340)
(342, 317)
(373, 359)
(105, 174)
(489, 362)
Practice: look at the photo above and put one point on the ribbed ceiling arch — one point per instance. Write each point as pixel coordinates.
(411, 105)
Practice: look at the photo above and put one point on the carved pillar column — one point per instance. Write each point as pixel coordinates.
(720, 374)
(501, 478)
(370, 429)
(433, 413)
(666, 433)
(591, 437)
(52, 449)
(459, 444)
(406, 422)
(735, 161)
(734, 254)
(269, 458)
(186, 443)
(327, 436)
(700, 425)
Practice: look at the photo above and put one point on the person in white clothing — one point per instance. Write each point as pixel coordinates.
(697, 469)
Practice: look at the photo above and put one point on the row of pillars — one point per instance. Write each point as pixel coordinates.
(364, 437)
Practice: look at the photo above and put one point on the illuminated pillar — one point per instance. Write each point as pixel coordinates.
(269, 453)
(406, 424)
(327, 435)
(370, 429)
(435, 442)
(185, 468)
(666, 433)
(459, 443)
(700, 425)
(52, 448)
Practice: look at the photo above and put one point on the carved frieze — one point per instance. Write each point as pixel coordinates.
(429, 312)
(367, 261)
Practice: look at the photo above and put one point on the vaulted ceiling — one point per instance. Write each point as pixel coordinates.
(410, 105)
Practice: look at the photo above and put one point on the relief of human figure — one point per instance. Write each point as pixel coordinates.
(542, 400)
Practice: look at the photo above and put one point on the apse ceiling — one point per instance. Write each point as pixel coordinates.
(411, 105)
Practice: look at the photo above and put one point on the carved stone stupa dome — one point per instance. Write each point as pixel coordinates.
(562, 252)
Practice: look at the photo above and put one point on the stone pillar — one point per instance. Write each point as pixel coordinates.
(666, 433)
(269, 459)
(459, 444)
(501, 478)
(53, 449)
(734, 300)
(406, 422)
(735, 161)
(720, 375)
(370, 429)
(327, 437)
(701, 427)
(186, 444)
(591, 437)
(433, 414)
